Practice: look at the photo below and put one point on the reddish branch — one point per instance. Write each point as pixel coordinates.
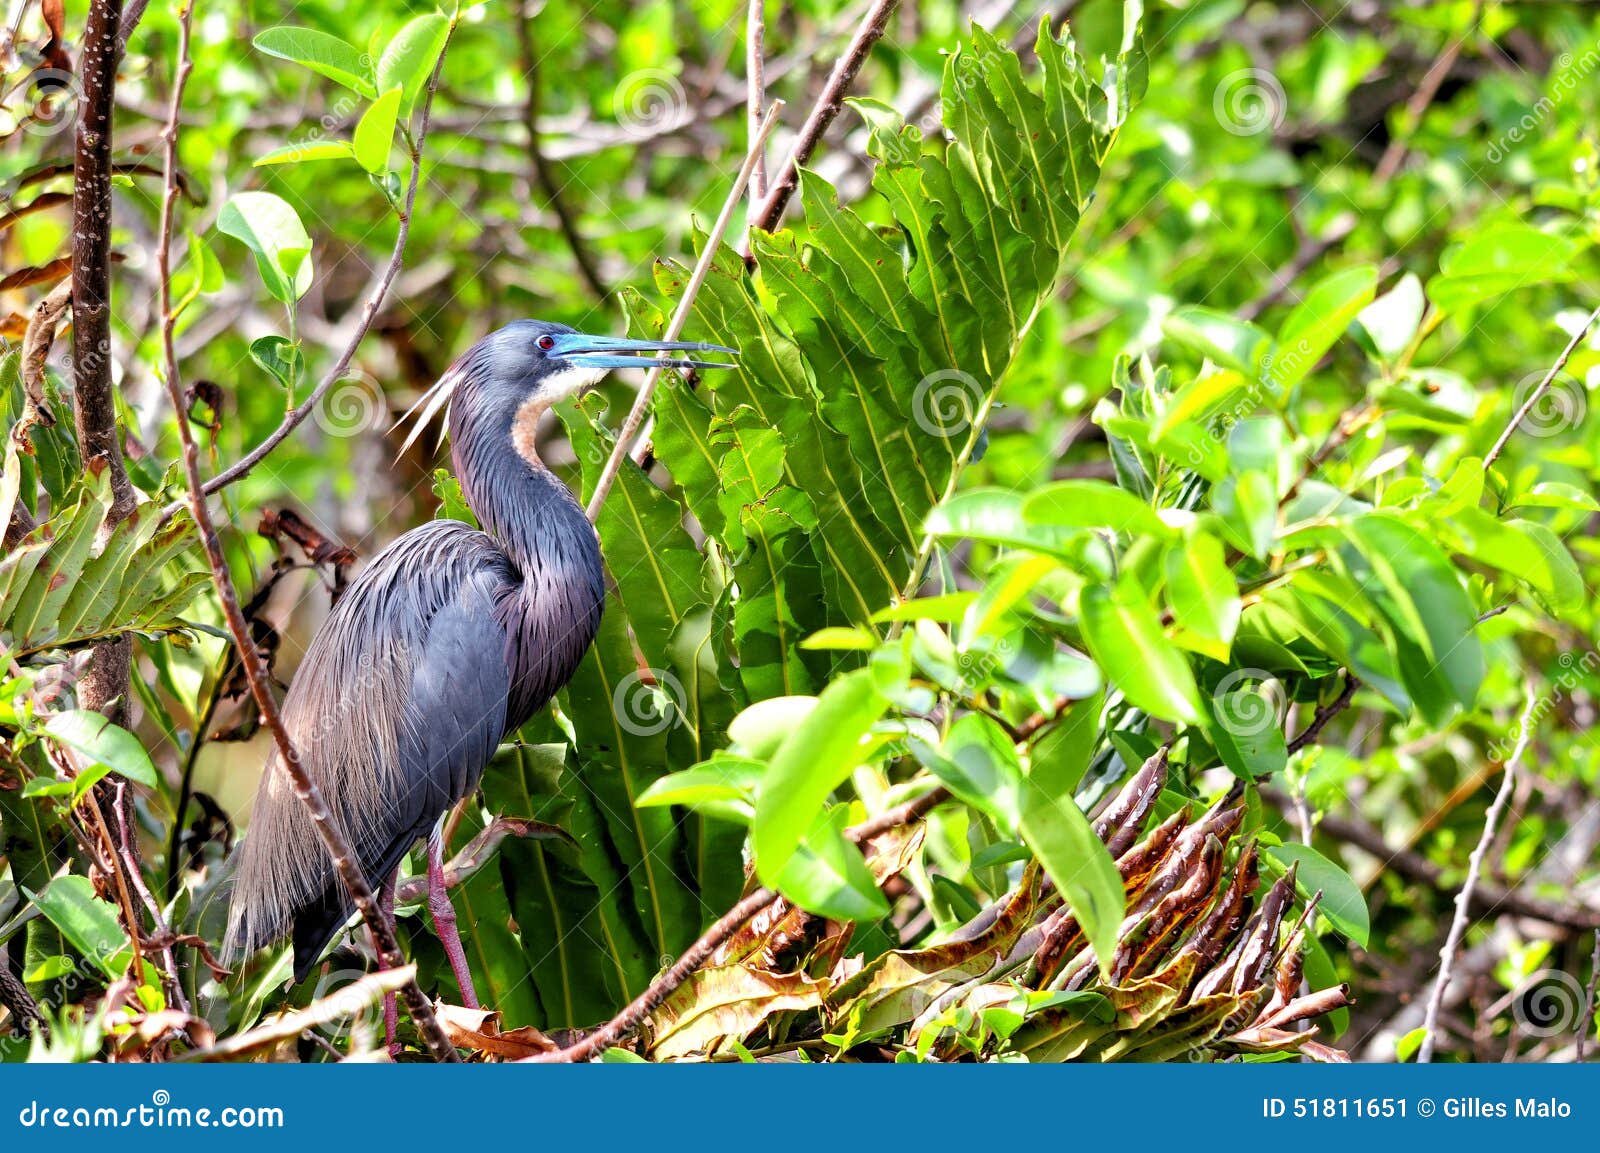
(873, 25)
(255, 670)
(95, 408)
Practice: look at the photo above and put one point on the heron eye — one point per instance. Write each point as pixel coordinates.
(546, 342)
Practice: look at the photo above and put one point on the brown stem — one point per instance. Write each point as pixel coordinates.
(756, 88)
(1326, 713)
(543, 173)
(333, 840)
(295, 417)
(869, 32)
(95, 408)
(1463, 902)
(1538, 393)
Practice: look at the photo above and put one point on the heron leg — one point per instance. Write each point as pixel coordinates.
(444, 919)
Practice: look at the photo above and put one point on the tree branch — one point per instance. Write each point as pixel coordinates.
(756, 86)
(295, 417)
(1458, 923)
(255, 670)
(680, 317)
(95, 408)
(871, 29)
(1544, 386)
(697, 954)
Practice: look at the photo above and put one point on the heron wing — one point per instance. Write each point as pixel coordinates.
(396, 708)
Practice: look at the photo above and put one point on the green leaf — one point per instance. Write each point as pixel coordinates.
(1494, 261)
(374, 134)
(1342, 902)
(278, 357)
(1318, 321)
(1235, 344)
(1092, 504)
(1391, 321)
(87, 922)
(1247, 725)
(1125, 639)
(310, 150)
(1077, 861)
(813, 760)
(762, 727)
(103, 743)
(324, 54)
(1526, 550)
(978, 763)
(828, 876)
(409, 59)
(271, 229)
(1414, 585)
(1203, 595)
(725, 786)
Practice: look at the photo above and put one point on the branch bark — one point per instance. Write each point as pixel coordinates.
(680, 317)
(305, 788)
(105, 683)
(871, 29)
(1458, 923)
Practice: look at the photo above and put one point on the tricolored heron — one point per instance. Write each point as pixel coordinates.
(448, 641)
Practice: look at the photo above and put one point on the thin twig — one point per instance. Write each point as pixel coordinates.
(542, 172)
(296, 416)
(871, 29)
(756, 87)
(1586, 1022)
(161, 935)
(255, 671)
(1326, 713)
(338, 1005)
(1394, 155)
(1544, 386)
(1458, 923)
(680, 316)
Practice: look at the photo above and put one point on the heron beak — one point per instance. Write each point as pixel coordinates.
(581, 349)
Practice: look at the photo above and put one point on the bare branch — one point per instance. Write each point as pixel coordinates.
(1537, 394)
(871, 29)
(756, 83)
(697, 954)
(336, 1006)
(1458, 924)
(295, 417)
(95, 408)
(680, 316)
(543, 174)
(305, 788)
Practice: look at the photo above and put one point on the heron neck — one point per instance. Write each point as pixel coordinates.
(516, 499)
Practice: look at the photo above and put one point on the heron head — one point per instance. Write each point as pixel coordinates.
(529, 365)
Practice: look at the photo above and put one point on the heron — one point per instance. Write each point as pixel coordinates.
(451, 638)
